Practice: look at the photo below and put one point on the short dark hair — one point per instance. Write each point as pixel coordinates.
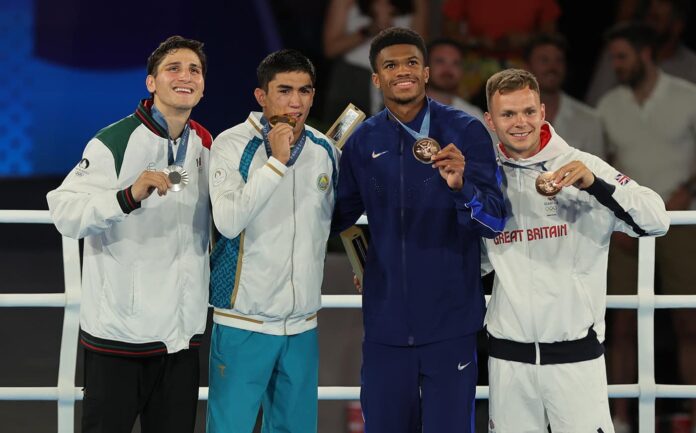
(509, 80)
(395, 36)
(555, 39)
(174, 43)
(286, 60)
(447, 42)
(638, 34)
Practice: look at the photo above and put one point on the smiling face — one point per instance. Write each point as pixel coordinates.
(290, 94)
(516, 117)
(401, 74)
(178, 83)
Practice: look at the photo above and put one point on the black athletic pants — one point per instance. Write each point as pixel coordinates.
(162, 389)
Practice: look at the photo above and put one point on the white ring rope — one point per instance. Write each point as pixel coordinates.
(646, 390)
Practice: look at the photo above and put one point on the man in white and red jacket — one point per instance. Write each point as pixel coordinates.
(545, 320)
(145, 274)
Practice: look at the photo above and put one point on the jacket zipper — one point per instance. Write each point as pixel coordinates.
(520, 185)
(292, 255)
(403, 232)
(178, 200)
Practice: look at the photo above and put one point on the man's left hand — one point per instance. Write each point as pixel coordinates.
(450, 162)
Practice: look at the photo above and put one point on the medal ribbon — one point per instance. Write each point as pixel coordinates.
(183, 142)
(523, 167)
(295, 149)
(425, 126)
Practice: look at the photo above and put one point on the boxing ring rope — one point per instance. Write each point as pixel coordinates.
(66, 393)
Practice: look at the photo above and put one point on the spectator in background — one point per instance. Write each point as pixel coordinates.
(576, 122)
(445, 58)
(496, 32)
(349, 27)
(650, 124)
(668, 19)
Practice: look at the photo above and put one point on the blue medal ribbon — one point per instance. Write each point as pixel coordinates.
(524, 167)
(425, 126)
(183, 142)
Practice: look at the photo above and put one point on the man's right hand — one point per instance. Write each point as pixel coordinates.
(149, 181)
(280, 138)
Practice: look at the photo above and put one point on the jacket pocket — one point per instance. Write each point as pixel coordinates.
(120, 292)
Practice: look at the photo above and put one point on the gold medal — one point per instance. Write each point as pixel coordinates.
(283, 118)
(425, 148)
(545, 184)
(177, 176)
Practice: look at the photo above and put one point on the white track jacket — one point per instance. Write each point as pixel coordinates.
(551, 261)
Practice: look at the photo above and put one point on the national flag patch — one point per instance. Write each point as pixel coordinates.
(622, 179)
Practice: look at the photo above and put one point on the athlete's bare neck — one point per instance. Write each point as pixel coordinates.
(406, 112)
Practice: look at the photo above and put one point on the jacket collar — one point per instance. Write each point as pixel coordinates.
(144, 114)
(552, 145)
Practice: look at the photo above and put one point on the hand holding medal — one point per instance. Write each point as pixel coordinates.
(283, 118)
(177, 176)
(573, 173)
(450, 161)
(546, 185)
(148, 182)
(281, 136)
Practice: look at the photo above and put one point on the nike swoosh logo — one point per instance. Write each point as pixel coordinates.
(461, 367)
(377, 155)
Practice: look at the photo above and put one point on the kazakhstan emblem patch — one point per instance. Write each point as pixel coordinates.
(323, 182)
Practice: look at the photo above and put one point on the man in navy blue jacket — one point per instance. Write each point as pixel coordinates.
(422, 299)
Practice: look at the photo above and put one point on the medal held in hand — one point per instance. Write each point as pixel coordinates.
(177, 176)
(545, 184)
(425, 148)
(283, 118)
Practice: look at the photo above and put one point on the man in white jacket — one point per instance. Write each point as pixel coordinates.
(145, 273)
(545, 319)
(272, 185)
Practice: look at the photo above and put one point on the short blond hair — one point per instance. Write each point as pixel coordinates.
(509, 80)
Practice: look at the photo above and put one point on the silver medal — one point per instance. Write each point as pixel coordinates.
(178, 177)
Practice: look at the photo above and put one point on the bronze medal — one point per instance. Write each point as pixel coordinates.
(425, 148)
(274, 120)
(177, 176)
(545, 184)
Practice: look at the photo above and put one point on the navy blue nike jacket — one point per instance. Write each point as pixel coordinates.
(422, 277)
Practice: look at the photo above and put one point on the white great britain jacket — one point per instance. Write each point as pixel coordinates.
(551, 261)
(267, 269)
